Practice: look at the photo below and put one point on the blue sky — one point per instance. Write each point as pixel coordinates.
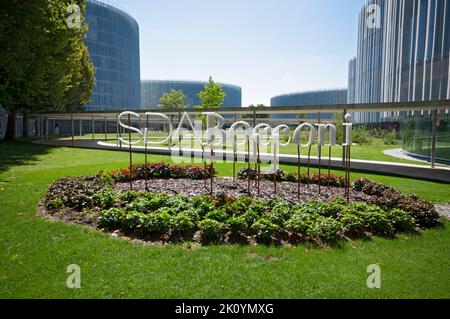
(268, 47)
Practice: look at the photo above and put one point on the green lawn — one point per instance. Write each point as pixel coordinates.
(373, 152)
(34, 253)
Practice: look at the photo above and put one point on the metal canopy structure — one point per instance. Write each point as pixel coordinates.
(252, 115)
(301, 109)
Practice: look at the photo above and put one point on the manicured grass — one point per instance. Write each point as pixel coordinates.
(34, 253)
(373, 152)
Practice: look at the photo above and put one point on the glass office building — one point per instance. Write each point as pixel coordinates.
(404, 58)
(153, 90)
(323, 97)
(113, 43)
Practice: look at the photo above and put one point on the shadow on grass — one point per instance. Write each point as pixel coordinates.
(20, 152)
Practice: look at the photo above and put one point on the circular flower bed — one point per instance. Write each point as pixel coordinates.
(168, 213)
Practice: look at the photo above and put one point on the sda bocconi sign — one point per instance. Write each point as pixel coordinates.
(240, 143)
(216, 136)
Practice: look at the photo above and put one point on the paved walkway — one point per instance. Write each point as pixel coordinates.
(399, 153)
(441, 174)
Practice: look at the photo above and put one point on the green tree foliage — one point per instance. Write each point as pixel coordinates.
(175, 99)
(44, 63)
(212, 96)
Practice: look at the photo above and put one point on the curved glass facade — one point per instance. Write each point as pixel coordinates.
(405, 59)
(113, 43)
(152, 90)
(325, 97)
(417, 136)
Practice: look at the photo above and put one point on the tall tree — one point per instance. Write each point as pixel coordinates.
(44, 64)
(212, 96)
(174, 99)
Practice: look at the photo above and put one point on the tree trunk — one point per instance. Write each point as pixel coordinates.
(26, 121)
(10, 133)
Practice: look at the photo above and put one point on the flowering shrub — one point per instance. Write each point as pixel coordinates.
(162, 171)
(332, 180)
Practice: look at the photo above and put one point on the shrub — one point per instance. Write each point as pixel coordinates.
(300, 223)
(111, 218)
(333, 180)
(74, 192)
(250, 217)
(203, 204)
(223, 199)
(247, 173)
(129, 196)
(353, 226)
(133, 221)
(55, 204)
(105, 198)
(402, 221)
(291, 177)
(362, 137)
(390, 137)
(182, 223)
(325, 230)
(359, 184)
(258, 207)
(279, 214)
(219, 215)
(162, 170)
(157, 222)
(211, 230)
(192, 214)
(265, 229)
(140, 204)
(378, 223)
(237, 224)
(389, 198)
(238, 206)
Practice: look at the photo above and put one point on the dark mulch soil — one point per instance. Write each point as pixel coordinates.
(226, 185)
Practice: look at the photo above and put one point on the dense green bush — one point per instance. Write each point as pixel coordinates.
(264, 229)
(182, 223)
(326, 230)
(111, 218)
(361, 136)
(158, 222)
(300, 223)
(213, 219)
(353, 226)
(211, 230)
(237, 224)
(105, 198)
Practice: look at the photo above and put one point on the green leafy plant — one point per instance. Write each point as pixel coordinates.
(111, 218)
(237, 224)
(211, 230)
(265, 229)
(325, 230)
(105, 198)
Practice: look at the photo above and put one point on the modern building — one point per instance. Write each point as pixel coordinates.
(404, 58)
(113, 43)
(153, 90)
(323, 97)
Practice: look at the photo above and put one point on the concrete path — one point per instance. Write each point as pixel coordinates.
(441, 174)
(399, 153)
